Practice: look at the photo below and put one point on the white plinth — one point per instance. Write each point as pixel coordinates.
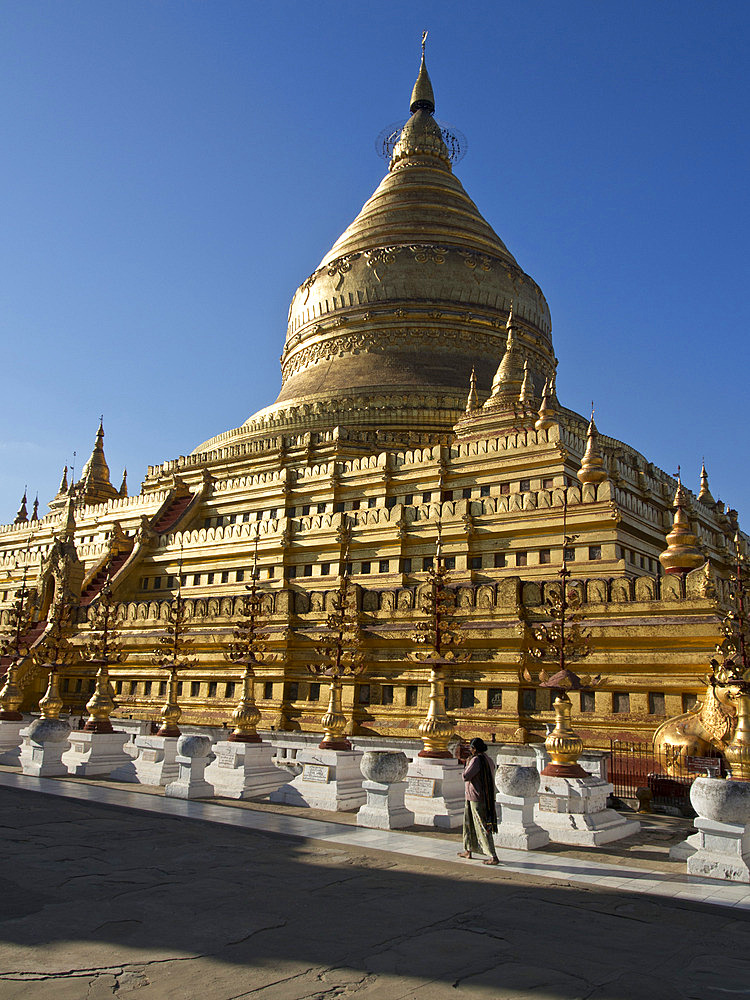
(190, 783)
(685, 849)
(574, 811)
(723, 851)
(155, 764)
(385, 809)
(44, 743)
(10, 741)
(95, 753)
(244, 771)
(330, 779)
(515, 823)
(436, 793)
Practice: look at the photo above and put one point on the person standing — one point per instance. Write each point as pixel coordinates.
(480, 813)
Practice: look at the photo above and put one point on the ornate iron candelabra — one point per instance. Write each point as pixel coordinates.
(54, 652)
(175, 644)
(440, 634)
(340, 650)
(561, 641)
(734, 671)
(13, 647)
(249, 643)
(103, 649)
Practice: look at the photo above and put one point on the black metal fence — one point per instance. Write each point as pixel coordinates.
(667, 774)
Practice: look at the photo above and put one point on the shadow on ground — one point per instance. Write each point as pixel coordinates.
(98, 901)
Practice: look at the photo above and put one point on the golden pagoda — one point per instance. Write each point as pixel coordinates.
(372, 448)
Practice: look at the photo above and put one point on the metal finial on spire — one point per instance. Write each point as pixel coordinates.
(422, 96)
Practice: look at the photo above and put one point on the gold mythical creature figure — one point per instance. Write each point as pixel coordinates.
(708, 725)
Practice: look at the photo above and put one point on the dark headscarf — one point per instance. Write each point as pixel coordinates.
(486, 783)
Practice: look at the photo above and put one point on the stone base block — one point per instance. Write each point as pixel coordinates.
(573, 811)
(190, 783)
(44, 743)
(156, 763)
(516, 827)
(95, 753)
(435, 792)
(685, 849)
(244, 771)
(330, 779)
(10, 741)
(385, 809)
(723, 851)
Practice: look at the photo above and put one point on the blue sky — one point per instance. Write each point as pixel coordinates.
(173, 170)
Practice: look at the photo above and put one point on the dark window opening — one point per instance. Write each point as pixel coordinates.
(386, 694)
(412, 694)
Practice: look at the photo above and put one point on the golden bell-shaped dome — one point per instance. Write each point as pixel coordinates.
(414, 293)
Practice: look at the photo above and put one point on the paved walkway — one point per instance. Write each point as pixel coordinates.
(111, 892)
(610, 874)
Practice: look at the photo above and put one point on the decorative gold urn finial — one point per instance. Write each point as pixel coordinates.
(472, 402)
(681, 555)
(563, 744)
(705, 492)
(51, 703)
(101, 704)
(246, 716)
(11, 695)
(592, 464)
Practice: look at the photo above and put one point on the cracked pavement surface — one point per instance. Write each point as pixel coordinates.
(99, 902)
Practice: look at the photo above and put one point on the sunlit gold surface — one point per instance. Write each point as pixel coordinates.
(681, 554)
(246, 715)
(100, 705)
(171, 711)
(563, 744)
(51, 704)
(11, 696)
(737, 753)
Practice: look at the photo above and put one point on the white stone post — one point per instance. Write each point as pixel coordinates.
(244, 770)
(384, 772)
(10, 741)
(723, 824)
(518, 795)
(44, 743)
(92, 754)
(574, 811)
(193, 756)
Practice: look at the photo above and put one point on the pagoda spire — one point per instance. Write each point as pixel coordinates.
(705, 492)
(524, 397)
(124, 484)
(508, 380)
(22, 517)
(96, 471)
(546, 416)
(681, 554)
(35, 511)
(422, 96)
(592, 464)
(63, 482)
(472, 402)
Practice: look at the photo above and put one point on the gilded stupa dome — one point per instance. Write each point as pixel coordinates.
(384, 333)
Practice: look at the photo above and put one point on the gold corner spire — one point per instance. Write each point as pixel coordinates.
(63, 482)
(422, 96)
(705, 492)
(124, 484)
(592, 464)
(472, 403)
(546, 416)
(35, 511)
(681, 554)
(524, 397)
(22, 516)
